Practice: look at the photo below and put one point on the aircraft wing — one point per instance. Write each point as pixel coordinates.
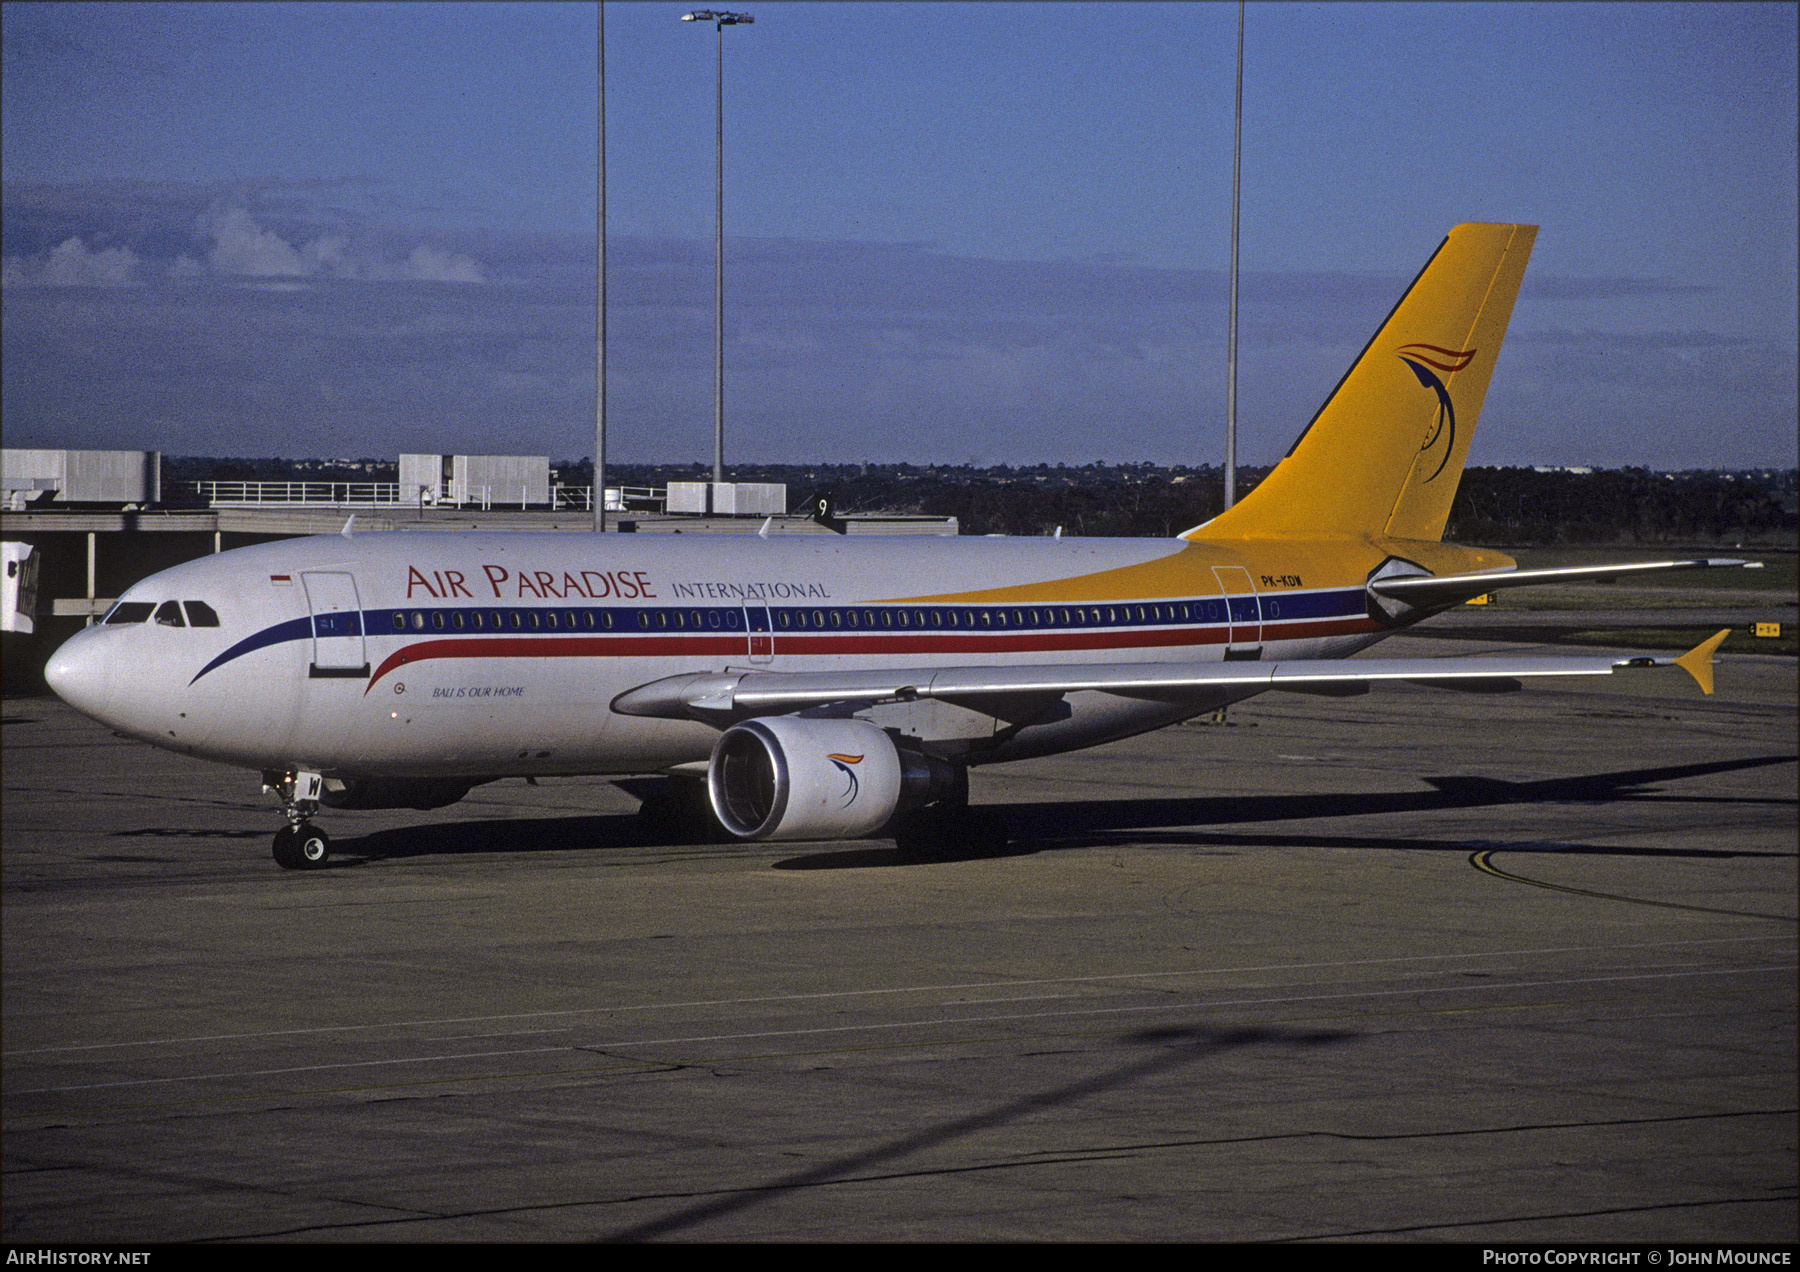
(1428, 590)
(726, 697)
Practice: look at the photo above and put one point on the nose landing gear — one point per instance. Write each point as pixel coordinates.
(299, 845)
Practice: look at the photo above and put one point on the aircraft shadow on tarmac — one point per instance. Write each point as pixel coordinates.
(1173, 1048)
(1174, 822)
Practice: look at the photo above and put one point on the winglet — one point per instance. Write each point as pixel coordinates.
(1698, 661)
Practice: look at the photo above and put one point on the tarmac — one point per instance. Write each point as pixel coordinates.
(1416, 966)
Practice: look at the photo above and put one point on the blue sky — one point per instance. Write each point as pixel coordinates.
(986, 232)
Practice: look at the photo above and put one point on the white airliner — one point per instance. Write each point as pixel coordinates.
(832, 688)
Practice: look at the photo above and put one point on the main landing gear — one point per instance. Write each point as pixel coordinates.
(950, 830)
(299, 845)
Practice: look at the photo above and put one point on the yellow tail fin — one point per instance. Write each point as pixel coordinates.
(1385, 453)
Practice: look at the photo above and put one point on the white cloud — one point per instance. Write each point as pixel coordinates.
(240, 248)
(428, 265)
(73, 264)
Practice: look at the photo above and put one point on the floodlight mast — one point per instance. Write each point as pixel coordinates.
(1231, 337)
(597, 495)
(720, 21)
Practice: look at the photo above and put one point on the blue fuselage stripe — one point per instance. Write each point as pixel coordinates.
(1180, 618)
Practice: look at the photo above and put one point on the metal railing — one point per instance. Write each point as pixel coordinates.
(387, 494)
(618, 498)
(336, 494)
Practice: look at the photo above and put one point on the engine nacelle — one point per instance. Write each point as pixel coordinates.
(787, 777)
(394, 792)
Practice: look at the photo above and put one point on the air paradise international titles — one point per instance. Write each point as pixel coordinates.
(595, 585)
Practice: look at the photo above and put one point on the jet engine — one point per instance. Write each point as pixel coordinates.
(394, 792)
(790, 777)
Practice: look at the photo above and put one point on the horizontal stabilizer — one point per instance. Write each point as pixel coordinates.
(1427, 590)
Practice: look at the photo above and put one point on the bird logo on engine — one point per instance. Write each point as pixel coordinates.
(846, 765)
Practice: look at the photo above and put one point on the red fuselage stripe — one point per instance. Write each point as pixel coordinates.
(735, 645)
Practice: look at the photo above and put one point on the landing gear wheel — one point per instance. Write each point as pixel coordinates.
(301, 847)
(680, 816)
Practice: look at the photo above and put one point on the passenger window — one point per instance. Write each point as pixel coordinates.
(128, 612)
(437, 619)
(168, 614)
(399, 621)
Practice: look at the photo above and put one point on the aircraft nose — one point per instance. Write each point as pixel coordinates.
(81, 675)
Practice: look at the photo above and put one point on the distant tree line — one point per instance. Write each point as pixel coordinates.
(1500, 506)
(1524, 506)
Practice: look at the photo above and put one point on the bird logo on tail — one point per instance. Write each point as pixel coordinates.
(1426, 361)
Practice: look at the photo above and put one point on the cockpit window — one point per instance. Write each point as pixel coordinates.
(128, 612)
(200, 614)
(168, 614)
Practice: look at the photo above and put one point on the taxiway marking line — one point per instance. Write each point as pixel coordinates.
(872, 993)
(903, 1024)
(1483, 861)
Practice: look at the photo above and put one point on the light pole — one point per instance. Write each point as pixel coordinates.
(598, 495)
(1231, 338)
(720, 21)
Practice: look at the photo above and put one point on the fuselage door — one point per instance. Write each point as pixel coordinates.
(337, 624)
(1244, 610)
(762, 639)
